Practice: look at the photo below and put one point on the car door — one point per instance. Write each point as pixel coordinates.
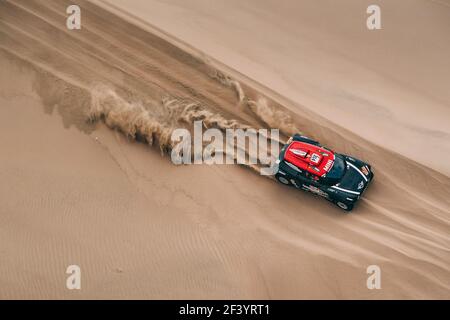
(311, 183)
(304, 181)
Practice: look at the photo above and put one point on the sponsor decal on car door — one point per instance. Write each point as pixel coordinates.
(315, 190)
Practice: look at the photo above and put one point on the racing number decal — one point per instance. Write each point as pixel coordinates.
(315, 158)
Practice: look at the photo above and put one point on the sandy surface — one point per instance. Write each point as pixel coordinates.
(77, 190)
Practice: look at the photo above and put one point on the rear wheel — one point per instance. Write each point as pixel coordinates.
(283, 180)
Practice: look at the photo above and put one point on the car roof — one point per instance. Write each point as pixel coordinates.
(309, 157)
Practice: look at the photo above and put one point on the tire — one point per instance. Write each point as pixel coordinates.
(284, 180)
(344, 206)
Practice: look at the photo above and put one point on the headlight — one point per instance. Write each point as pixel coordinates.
(365, 170)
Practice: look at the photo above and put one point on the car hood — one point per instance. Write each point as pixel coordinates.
(353, 178)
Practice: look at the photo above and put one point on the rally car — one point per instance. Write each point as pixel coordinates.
(305, 164)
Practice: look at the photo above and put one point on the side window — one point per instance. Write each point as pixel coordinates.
(326, 181)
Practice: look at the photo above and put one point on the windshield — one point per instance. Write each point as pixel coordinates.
(337, 171)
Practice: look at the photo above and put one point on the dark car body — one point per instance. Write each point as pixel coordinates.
(305, 164)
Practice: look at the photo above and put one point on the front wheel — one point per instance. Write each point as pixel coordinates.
(344, 206)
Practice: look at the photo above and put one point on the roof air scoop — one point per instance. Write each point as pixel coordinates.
(299, 152)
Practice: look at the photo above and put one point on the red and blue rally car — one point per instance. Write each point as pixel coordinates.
(305, 164)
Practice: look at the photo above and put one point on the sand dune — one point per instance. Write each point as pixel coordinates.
(79, 189)
(321, 55)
